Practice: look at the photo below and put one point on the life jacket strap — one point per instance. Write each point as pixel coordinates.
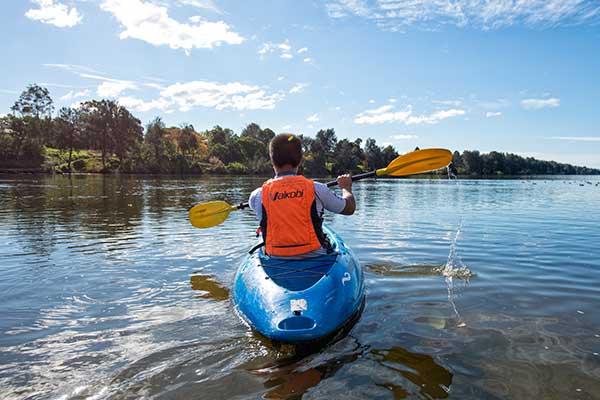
(258, 246)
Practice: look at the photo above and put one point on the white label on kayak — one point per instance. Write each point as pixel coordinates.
(346, 278)
(298, 305)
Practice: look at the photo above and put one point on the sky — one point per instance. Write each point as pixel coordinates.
(519, 76)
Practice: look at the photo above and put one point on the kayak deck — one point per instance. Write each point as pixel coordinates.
(296, 275)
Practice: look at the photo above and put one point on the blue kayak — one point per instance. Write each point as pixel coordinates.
(300, 300)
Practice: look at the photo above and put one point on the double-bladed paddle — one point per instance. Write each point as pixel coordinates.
(214, 213)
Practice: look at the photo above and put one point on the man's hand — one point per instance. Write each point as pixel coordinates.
(345, 182)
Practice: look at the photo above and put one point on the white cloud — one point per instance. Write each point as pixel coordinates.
(434, 118)
(536, 104)
(281, 78)
(283, 48)
(392, 100)
(139, 105)
(183, 96)
(385, 114)
(233, 95)
(578, 138)
(72, 68)
(397, 15)
(450, 103)
(75, 95)
(152, 24)
(490, 114)
(156, 86)
(298, 88)
(371, 101)
(302, 50)
(286, 127)
(404, 137)
(186, 96)
(307, 60)
(381, 115)
(112, 89)
(313, 118)
(338, 108)
(54, 13)
(202, 4)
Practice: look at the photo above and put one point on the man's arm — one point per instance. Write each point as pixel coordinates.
(345, 183)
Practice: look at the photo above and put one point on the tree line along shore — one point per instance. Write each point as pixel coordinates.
(102, 136)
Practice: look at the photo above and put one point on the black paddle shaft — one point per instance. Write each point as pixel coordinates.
(355, 178)
(329, 184)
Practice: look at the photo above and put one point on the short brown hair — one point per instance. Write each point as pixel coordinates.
(285, 149)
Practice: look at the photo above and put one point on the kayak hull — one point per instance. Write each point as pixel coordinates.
(301, 300)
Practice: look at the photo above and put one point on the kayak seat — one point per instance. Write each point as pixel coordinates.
(297, 274)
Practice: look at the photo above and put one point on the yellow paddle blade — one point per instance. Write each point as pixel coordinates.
(210, 214)
(417, 162)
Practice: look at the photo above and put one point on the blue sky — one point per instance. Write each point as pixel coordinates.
(515, 76)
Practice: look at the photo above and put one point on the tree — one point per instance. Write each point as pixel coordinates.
(96, 116)
(35, 101)
(472, 162)
(254, 154)
(348, 156)
(253, 130)
(327, 140)
(155, 139)
(457, 166)
(389, 154)
(126, 132)
(67, 130)
(187, 141)
(374, 155)
(218, 135)
(111, 128)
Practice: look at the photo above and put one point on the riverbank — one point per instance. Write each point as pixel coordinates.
(55, 161)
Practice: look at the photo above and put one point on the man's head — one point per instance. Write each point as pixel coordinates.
(285, 150)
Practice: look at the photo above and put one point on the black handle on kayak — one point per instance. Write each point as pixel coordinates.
(355, 178)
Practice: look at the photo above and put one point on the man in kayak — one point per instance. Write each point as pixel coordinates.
(290, 207)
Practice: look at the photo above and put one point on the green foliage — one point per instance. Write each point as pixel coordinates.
(348, 156)
(236, 168)
(103, 136)
(475, 164)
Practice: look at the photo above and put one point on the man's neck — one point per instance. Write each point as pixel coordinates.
(285, 171)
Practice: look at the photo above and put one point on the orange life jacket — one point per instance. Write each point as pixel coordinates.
(290, 223)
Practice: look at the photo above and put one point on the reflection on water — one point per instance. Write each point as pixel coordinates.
(432, 380)
(106, 291)
(211, 288)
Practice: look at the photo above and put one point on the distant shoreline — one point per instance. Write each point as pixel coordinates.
(30, 172)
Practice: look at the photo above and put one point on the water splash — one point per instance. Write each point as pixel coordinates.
(455, 268)
(451, 175)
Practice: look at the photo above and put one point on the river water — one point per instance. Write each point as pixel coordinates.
(106, 291)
